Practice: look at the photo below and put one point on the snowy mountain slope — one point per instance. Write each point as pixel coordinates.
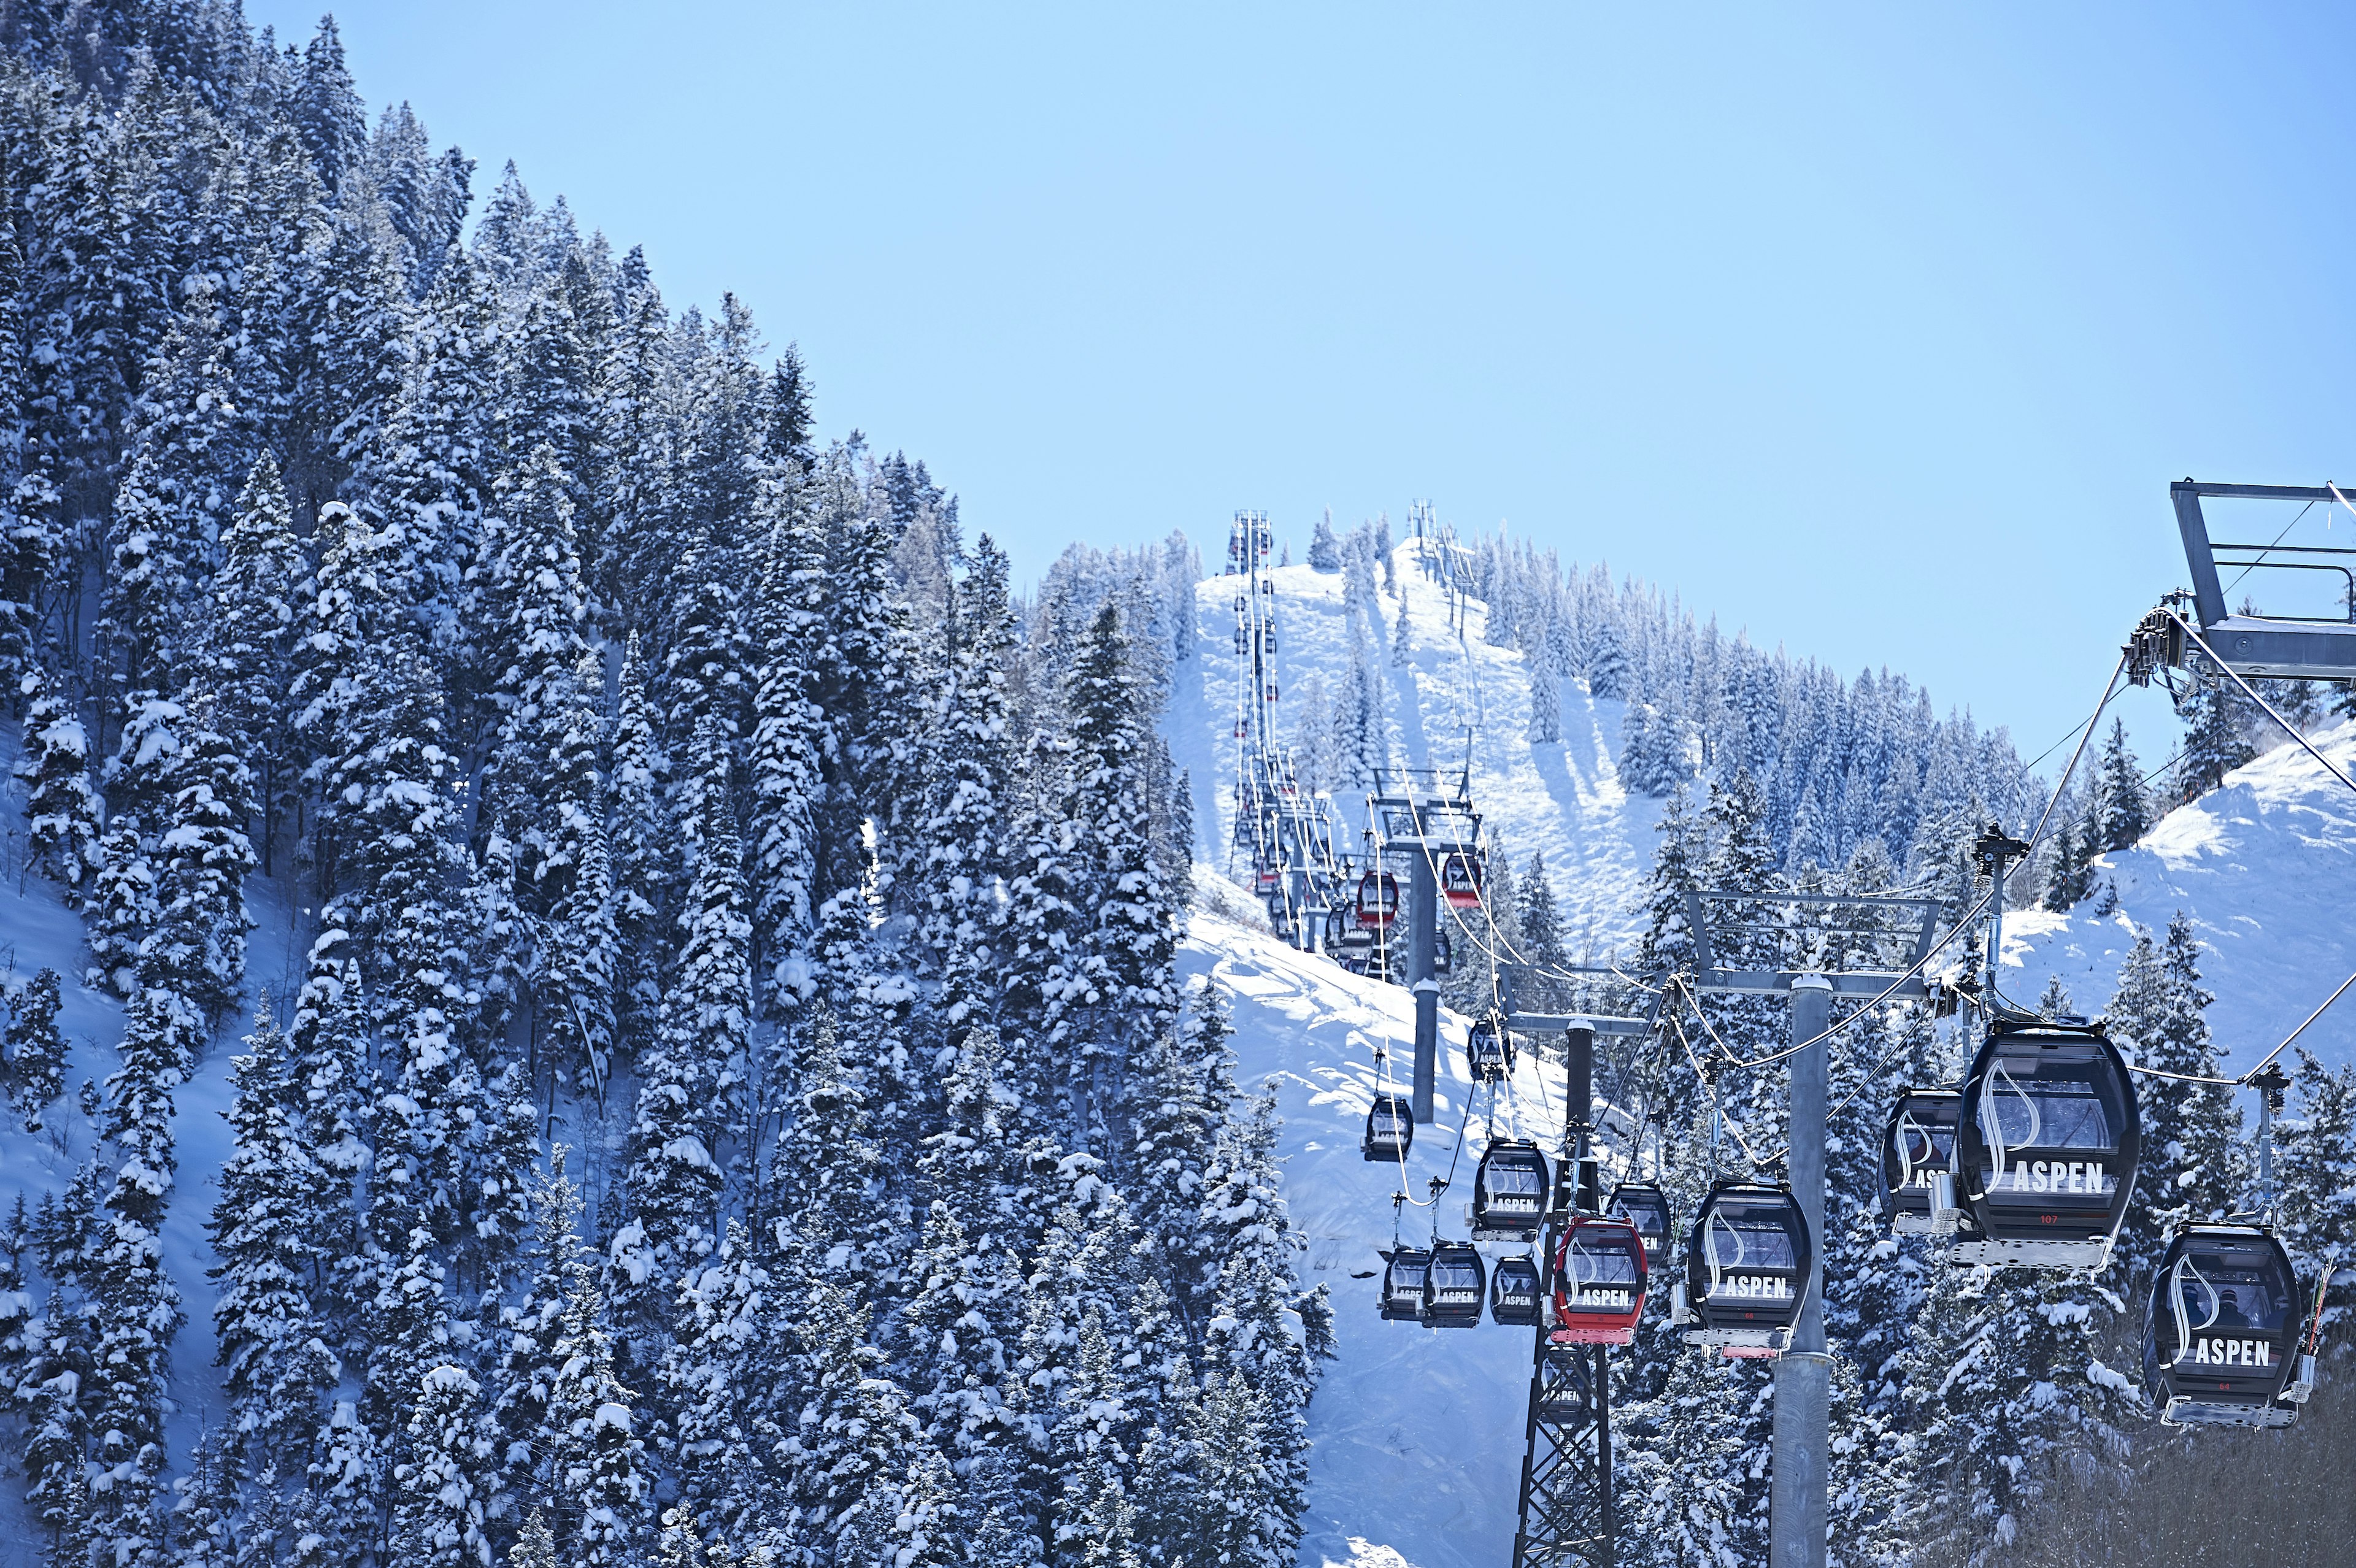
(1563, 799)
(2265, 867)
(1417, 1433)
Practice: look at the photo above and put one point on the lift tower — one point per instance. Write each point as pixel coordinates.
(1731, 924)
(1568, 1515)
(1288, 832)
(1424, 828)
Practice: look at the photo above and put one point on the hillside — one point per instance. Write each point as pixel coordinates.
(1415, 1435)
(2265, 867)
(1453, 689)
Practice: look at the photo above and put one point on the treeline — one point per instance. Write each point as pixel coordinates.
(737, 1100)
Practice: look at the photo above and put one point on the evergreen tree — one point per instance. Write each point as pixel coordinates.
(2120, 812)
(252, 619)
(61, 816)
(2213, 744)
(277, 1211)
(640, 855)
(1324, 553)
(37, 1049)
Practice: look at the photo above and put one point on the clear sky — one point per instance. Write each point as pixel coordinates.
(1876, 330)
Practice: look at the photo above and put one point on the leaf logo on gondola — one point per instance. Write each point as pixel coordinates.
(1906, 1125)
(1578, 1281)
(2185, 1326)
(1992, 1123)
(1718, 1266)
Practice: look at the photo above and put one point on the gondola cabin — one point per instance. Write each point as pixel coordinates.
(1918, 1149)
(1455, 1286)
(1460, 880)
(1390, 1129)
(1489, 1051)
(1514, 1291)
(1378, 900)
(1404, 1269)
(1748, 1266)
(2046, 1141)
(1509, 1191)
(1646, 1206)
(1443, 958)
(1280, 918)
(1267, 878)
(1599, 1275)
(2221, 1331)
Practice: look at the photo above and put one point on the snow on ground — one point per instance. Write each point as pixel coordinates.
(1417, 1433)
(37, 932)
(2265, 867)
(1563, 798)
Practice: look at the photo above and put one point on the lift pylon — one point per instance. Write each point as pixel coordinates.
(1801, 1466)
(1569, 1516)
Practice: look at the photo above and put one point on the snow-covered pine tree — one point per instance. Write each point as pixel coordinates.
(790, 735)
(849, 1440)
(964, 818)
(691, 1079)
(1269, 1375)
(1181, 1096)
(640, 853)
(2316, 1166)
(439, 1509)
(2213, 742)
(1131, 940)
(1325, 554)
(37, 1048)
(202, 859)
(722, 1445)
(61, 814)
(246, 650)
(280, 1207)
(2121, 812)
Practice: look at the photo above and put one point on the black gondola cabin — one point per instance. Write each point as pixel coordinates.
(1379, 899)
(1646, 1206)
(1454, 1286)
(2221, 1330)
(1509, 1191)
(1403, 1275)
(1514, 1291)
(1748, 1266)
(1489, 1051)
(2046, 1143)
(1390, 1129)
(1918, 1148)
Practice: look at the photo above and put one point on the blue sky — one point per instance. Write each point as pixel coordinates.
(1876, 330)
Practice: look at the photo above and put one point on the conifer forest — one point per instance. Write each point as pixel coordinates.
(738, 1041)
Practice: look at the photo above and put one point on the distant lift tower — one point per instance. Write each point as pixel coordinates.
(2251, 645)
(1288, 832)
(1569, 1516)
(1424, 828)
